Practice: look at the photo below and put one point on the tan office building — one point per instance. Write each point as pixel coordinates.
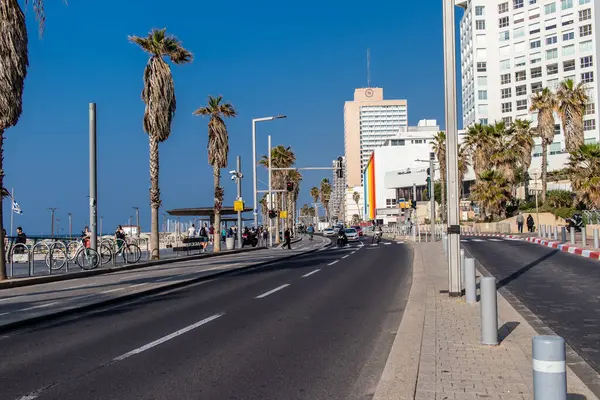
(368, 121)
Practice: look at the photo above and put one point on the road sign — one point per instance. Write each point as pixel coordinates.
(238, 205)
(282, 214)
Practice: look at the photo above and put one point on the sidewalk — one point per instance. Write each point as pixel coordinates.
(448, 362)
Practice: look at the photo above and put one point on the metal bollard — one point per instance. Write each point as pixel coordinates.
(555, 232)
(572, 235)
(596, 244)
(563, 234)
(549, 368)
(541, 231)
(462, 265)
(489, 311)
(583, 237)
(445, 243)
(470, 281)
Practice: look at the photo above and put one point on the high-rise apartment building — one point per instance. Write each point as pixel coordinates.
(368, 121)
(511, 49)
(338, 191)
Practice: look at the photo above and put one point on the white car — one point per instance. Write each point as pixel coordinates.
(352, 234)
(328, 232)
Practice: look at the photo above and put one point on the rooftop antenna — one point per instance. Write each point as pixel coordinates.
(368, 68)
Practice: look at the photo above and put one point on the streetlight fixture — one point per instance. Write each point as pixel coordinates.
(254, 121)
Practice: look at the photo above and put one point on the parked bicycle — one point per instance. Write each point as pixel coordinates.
(86, 258)
(130, 252)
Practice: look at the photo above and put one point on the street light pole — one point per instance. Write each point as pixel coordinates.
(137, 220)
(70, 226)
(58, 226)
(93, 179)
(255, 189)
(454, 278)
(238, 178)
(270, 199)
(537, 210)
(432, 195)
(52, 210)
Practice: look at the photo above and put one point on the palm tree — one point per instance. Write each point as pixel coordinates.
(522, 142)
(584, 170)
(264, 205)
(159, 96)
(218, 151)
(491, 192)
(478, 141)
(356, 198)
(315, 193)
(463, 165)
(281, 157)
(544, 103)
(325, 196)
(292, 197)
(571, 101)
(439, 148)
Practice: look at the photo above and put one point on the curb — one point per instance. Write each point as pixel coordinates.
(567, 248)
(144, 293)
(30, 281)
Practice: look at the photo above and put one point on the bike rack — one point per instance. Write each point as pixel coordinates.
(39, 245)
(12, 258)
(111, 245)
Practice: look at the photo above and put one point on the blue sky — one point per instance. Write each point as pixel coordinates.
(263, 57)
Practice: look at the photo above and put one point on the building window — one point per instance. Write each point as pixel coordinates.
(552, 84)
(566, 4)
(504, 79)
(521, 105)
(550, 8)
(481, 67)
(536, 72)
(535, 16)
(519, 32)
(506, 107)
(551, 54)
(520, 61)
(568, 50)
(517, 4)
(480, 25)
(568, 36)
(483, 121)
(503, 22)
(552, 69)
(551, 40)
(567, 22)
(504, 36)
(532, 2)
(586, 14)
(535, 58)
(586, 46)
(569, 65)
(504, 65)
(505, 93)
(521, 90)
(502, 8)
(534, 44)
(587, 61)
(585, 30)
(507, 120)
(520, 76)
(582, 2)
(534, 28)
(482, 109)
(589, 124)
(479, 10)
(482, 94)
(519, 20)
(482, 80)
(590, 109)
(536, 87)
(587, 77)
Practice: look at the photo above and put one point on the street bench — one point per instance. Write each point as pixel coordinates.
(190, 244)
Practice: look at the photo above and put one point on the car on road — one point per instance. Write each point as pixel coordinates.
(328, 232)
(352, 234)
(358, 229)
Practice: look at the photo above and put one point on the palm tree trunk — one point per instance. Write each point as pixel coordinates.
(544, 169)
(2, 249)
(154, 198)
(277, 219)
(217, 210)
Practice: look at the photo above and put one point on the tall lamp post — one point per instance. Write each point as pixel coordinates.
(137, 220)
(536, 176)
(236, 176)
(52, 211)
(254, 121)
(70, 225)
(454, 278)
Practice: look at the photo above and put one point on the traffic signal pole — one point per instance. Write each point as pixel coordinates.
(432, 195)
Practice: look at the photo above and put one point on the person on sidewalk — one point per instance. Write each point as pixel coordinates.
(520, 221)
(192, 231)
(287, 239)
(530, 223)
(120, 239)
(21, 239)
(204, 237)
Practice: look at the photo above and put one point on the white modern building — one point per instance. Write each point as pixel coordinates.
(338, 191)
(511, 49)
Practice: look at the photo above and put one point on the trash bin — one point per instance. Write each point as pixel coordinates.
(230, 243)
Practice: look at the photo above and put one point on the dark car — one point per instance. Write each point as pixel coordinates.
(358, 229)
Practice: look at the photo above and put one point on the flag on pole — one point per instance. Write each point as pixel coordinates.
(16, 208)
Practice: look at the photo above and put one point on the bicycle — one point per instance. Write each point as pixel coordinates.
(131, 252)
(57, 256)
(86, 258)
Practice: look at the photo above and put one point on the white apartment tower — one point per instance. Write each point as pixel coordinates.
(513, 48)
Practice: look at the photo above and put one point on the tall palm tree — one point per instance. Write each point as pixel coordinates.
(439, 148)
(218, 152)
(522, 142)
(325, 196)
(264, 205)
(478, 141)
(571, 101)
(491, 192)
(159, 96)
(544, 103)
(584, 170)
(356, 198)
(281, 157)
(315, 193)
(463, 166)
(292, 197)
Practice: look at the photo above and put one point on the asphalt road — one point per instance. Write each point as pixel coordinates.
(319, 326)
(561, 289)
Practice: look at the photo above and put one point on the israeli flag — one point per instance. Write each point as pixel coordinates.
(16, 208)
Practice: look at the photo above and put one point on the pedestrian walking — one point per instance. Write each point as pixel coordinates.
(287, 239)
(530, 227)
(120, 238)
(192, 231)
(520, 221)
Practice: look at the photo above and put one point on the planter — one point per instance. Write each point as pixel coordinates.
(229, 243)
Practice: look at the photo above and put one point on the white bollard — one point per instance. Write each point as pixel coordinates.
(549, 368)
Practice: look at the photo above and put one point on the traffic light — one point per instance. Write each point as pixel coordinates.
(272, 214)
(429, 182)
(289, 186)
(340, 167)
(414, 204)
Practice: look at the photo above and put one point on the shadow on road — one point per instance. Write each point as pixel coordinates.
(523, 270)
(506, 329)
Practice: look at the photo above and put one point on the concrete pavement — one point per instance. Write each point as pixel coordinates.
(318, 326)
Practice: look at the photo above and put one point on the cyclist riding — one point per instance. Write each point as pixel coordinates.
(311, 232)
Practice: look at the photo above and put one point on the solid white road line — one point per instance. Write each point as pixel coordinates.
(477, 240)
(331, 263)
(113, 290)
(78, 287)
(168, 337)
(373, 244)
(496, 240)
(346, 256)
(399, 242)
(311, 273)
(353, 252)
(387, 243)
(12, 298)
(272, 291)
(139, 284)
(40, 306)
(129, 277)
